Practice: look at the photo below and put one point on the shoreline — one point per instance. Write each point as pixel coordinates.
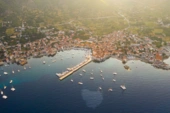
(157, 64)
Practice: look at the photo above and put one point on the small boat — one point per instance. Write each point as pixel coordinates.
(101, 75)
(5, 73)
(12, 89)
(59, 74)
(24, 67)
(123, 87)
(114, 80)
(84, 70)
(110, 89)
(114, 73)
(10, 81)
(30, 67)
(91, 78)
(92, 73)
(80, 83)
(71, 80)
(4, 87)
(101, 71)
(18, 70)
(80, 74)
(13, 71)
(2, 92)
(103, 78)
(100, 88)
(43, 62)
(4, 97)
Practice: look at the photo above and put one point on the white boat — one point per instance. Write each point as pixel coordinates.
(100, 88)
(43, 62)
(115, 73)
(110, 89)
(10, 81)
(101, 75)
(91, 78)
(103, 78)
(80, 83)
(4, 97)
(84, 70)
(80, 74)
(4, 87)
(30, 67)
(13, 71)
(2, 92)
(12, 89)
(59, 74)
(123, 87)
(18, 70)
(101, 71)
(72, 80)
(5, 73)
(24, 67)
(114, 80)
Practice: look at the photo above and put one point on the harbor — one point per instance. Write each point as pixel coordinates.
(75, 68)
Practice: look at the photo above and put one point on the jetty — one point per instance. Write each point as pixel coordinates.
(75, 68)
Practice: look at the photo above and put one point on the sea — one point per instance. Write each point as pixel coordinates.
(39, 90)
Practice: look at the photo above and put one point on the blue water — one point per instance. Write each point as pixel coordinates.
(38, 90)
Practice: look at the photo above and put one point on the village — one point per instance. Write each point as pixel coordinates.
(118, 44)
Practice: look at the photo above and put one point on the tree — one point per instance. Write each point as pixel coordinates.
(9, 31)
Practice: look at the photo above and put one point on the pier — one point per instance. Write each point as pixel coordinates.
(75, 68)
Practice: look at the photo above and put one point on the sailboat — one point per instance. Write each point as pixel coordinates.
(43, 62)
(5, 73)
(103, 78)
(71, 80)
(114, 80)
(4, 87)
(114, 73)
(91, 78)
(123, 87)
(2, 92)
(80, 83)
(4, 97)
(110, 89)
(12, 89)
(100, 88)
(84, 70)
(10, 81)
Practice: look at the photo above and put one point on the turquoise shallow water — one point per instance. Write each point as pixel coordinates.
(38, 90)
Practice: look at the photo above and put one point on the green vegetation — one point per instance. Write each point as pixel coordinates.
(96, 16)
(9, 31)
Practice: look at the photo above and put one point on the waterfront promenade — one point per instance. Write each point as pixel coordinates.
(75, 68)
